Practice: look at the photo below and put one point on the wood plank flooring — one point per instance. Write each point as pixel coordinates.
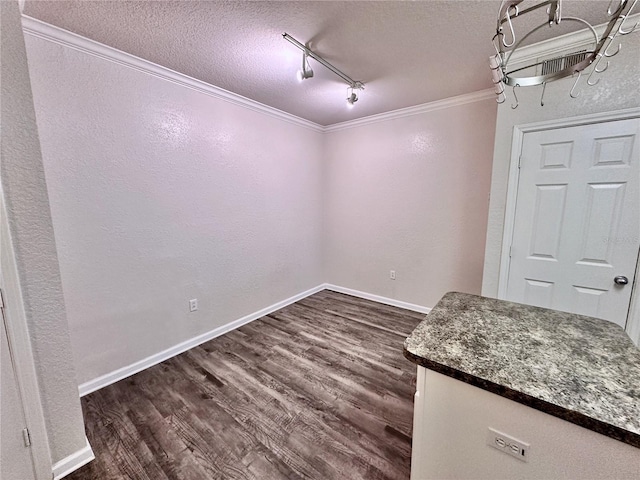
(318, 390)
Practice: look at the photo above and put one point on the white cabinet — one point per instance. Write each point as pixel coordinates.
(451, 421)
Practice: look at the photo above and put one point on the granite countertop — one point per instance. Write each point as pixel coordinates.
(581, 369)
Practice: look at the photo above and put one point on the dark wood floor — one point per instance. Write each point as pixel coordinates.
(317, 390)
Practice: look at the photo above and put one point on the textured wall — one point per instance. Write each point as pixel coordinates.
(160, 194)
(617, 89)
(410, 194)
(25, 191)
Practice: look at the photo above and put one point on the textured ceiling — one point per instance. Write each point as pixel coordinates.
(407, 53)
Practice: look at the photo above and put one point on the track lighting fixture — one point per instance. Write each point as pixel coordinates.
(307, 72)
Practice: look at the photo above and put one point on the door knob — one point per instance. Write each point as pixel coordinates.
(620, 280)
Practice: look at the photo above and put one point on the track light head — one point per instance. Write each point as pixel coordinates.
(306, 71)
(304, 74)
(352, 96)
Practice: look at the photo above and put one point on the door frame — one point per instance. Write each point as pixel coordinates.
(19, 340)
(633, 316)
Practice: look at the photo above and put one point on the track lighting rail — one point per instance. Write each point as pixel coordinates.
(350, 81)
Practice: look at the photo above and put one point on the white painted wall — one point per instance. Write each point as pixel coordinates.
(410, 194)
(160, 194)
(38, 286)
(451, 424)
(617, 89)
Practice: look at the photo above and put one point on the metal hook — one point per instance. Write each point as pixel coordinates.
(513, 33)
(595, 69)
(513, 107)
(626, 32)
(589, 79)
(624, 19)
(544, 87)
(611, 12)
(495, 45)
(606, 50)
(554, 12)
(504, 98)
(574, 86)
(495, 62)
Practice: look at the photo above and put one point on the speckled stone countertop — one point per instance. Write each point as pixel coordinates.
(580, 369)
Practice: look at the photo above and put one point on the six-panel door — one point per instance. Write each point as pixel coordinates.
(577, 219)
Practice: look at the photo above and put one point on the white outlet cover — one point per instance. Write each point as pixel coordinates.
(509, 445)
(193, 305)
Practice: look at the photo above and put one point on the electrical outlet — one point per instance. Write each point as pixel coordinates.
(509, 445)
(392, 274)
(193, 304)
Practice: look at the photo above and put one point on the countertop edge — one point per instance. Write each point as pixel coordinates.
(558, 411)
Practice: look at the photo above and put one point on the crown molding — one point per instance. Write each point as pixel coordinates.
(37, 28)
(559, 45)
(415, 110)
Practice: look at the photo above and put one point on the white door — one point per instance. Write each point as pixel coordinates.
(576, 231)
(15, 457)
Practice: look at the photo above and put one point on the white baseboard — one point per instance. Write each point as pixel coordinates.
(377, 298)
(73, 462)
(124, 372)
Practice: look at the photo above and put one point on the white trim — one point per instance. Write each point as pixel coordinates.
(377, 298)
(51, 33)
(581, 120)
(559, 45)
(73, 462)
(633, 319)
(37, 28)
(415, 110)
(419, 422)
(124, 372)
(510, 208)
(20, 341)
